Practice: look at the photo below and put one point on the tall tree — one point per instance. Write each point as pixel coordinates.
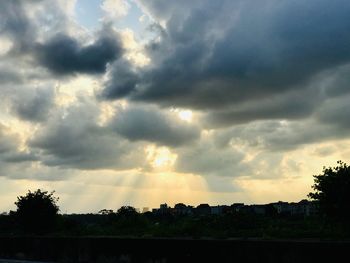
(37, 211)
(332, 190)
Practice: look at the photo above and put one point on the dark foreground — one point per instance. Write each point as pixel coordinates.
(109, 249)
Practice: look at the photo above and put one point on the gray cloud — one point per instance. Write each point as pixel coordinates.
(122, 78)
(64, 55)
(9, 77)
(292, 106)
(329, 122)
(21, 157)
(150, 124)
(10, 153)
(8, 142)
(15, 23)
(208, 159)
(73, 139)
(245, 65)
(23, 22)
(335, 112)
(218, 54)
(33, 105)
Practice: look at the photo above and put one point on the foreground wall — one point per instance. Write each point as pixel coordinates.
(104, 249)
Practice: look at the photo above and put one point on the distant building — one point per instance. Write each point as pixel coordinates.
(282, 207)
(303, 208)
(162, 210)
(258, 209)
(236, 207)
(253, 209)
(164, 206)
(220, 209)
(182, 209)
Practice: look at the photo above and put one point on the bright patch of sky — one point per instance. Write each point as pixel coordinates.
(89, 14)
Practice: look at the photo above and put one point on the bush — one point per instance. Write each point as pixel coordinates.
(37, 211)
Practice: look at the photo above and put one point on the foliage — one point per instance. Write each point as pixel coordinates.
(37, 211)
(127, 211)
(106, 212)
(332, 190)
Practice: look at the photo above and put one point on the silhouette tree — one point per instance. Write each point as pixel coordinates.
(127, 211)
(37, 211)
(106, 212)
(180, 206)
(332, 190)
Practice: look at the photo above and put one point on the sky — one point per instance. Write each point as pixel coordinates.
(142, 102)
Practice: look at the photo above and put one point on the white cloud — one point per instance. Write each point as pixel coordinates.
(115, 8)
(5, 45)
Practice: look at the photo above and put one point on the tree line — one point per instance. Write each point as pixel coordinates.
(37, 213)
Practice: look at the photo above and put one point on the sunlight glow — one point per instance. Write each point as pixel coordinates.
(185, 115)
(5, 45)
(134, 50)
(160, 157)
(80, 84)
(107, 112)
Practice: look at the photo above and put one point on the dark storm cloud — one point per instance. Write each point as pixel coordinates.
(291, 106)
(122, 80)
(336, 82)
(150, 124)
(213, 54)
(64, 55)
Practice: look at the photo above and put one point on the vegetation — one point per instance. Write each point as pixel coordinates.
(37, 213)
(332, 191)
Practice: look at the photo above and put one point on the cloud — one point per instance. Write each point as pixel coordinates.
(335, 112)
(291, 106)
(73, 139)
(9, 77)
(44, 30)
(33, 105)
(207, 159)
(115, 8)
(153, 125)
(263, 79)
(328, 123)
(122, 78)
(10, 153)
(64, 55)
(24, 21)
(15, 23)
(253, 52)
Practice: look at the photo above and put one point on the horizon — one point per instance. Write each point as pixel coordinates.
(171, 206)
(123, 102)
